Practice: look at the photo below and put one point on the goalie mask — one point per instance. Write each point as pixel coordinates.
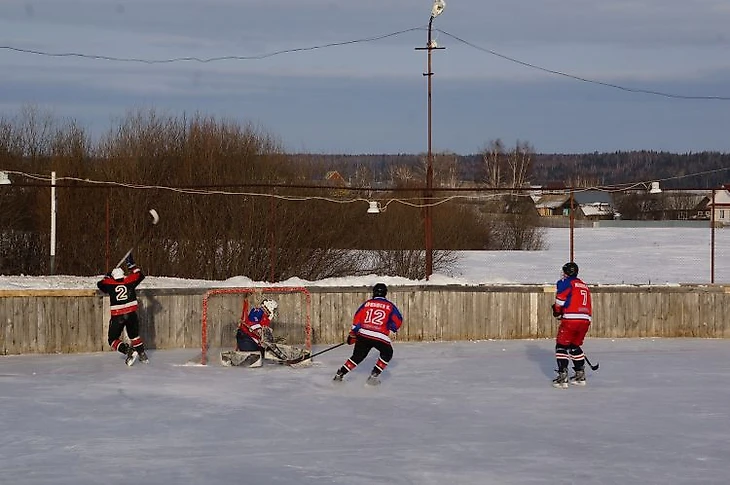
(118, 274)
(270, 307)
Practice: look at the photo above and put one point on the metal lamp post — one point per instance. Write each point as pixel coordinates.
(436, 10)
(52, 268)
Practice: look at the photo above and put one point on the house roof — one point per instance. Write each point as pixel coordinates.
(597, 209)
(552, 201)
(591, 196)
(335, 176)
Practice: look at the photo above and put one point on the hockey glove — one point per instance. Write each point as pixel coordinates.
(130, 261)
(351, 338)
(557, 311)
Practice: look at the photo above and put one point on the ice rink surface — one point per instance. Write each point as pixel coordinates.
(656, 412)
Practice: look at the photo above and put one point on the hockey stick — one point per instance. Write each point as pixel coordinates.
(302, 359)
(593, 367)
(155, 220)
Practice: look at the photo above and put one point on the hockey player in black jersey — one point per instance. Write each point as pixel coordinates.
(123, 305)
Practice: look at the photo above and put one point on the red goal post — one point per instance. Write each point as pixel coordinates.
(223, 310)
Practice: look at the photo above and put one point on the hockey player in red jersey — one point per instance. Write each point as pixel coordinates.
(574, 309)
(371, 327)
(123, 305)
(255, 339)
(255, 325)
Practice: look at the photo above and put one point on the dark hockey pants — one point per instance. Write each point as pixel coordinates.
(117, 324)
(363, 346)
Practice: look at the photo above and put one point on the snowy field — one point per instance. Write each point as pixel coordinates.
(605, 256)
(656, 412)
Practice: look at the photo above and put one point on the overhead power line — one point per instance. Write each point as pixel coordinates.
(203, 60)
(471, 193)
(358, 41)
(583, 79)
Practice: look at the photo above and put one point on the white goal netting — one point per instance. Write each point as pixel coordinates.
(224, 308)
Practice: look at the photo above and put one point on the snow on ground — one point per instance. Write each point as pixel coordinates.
(459, 413)
(605, 256)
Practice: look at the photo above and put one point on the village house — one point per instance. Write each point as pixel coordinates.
(721, 206)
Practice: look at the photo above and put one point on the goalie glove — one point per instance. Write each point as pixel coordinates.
(557, 311)
(351, 338)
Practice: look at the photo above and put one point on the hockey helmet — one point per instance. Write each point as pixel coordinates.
(118, 274)
(380, 290)
(270, 306)
(570, 269)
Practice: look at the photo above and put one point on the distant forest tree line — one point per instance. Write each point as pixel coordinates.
(701, 170)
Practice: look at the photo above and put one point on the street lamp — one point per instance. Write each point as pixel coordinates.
(436, 10)
(374, 208)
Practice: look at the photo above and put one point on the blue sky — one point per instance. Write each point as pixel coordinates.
(370, 96)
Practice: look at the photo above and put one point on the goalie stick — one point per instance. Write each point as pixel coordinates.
(302, 359)
(155, 220)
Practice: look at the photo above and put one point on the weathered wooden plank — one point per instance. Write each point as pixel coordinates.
(481, 316)
(545, 320)
(722, 310)
(411, 329)
(662, 315)
(611, 322)
(26, 335)
(82, 320)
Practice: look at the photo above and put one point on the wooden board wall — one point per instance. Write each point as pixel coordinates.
(67, 321)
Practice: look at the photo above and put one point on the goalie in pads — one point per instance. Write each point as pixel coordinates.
(255, 339)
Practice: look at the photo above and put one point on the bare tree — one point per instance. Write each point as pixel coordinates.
(519, 163)
(447, 173)
(493, 158)
(507, 168)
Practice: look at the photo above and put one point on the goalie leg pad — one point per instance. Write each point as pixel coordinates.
(282, 352)
(237, 358)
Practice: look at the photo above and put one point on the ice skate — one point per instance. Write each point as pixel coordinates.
(338, 377)
(131, 357)
(373, 379)
(143, 357)
(561, 381)
(579, 379)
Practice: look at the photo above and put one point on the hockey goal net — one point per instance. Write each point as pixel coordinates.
(224, 308)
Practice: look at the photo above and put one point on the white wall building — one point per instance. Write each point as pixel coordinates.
(721, 206)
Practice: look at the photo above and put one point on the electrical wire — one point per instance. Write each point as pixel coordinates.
(434, 201)
(202, 59)
(583, 79)
(365, 40)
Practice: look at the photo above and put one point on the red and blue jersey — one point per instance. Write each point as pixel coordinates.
(573, 299)
(376, 318)
(252, 324)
